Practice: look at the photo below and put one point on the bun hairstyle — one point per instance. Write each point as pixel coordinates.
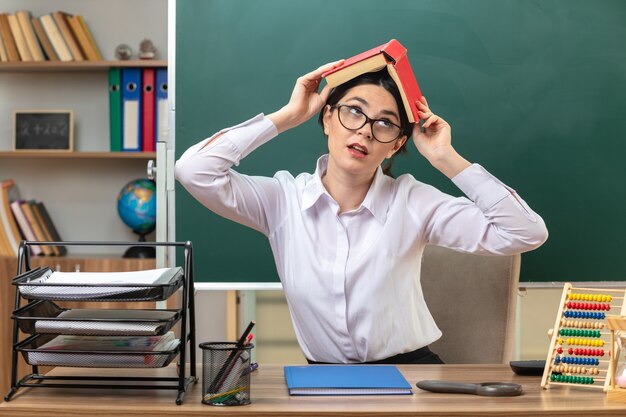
(382, 79)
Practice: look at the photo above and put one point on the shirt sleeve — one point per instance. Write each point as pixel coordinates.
(205, 171)
(492, 219)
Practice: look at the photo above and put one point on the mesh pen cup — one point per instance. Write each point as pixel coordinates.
(226, 373)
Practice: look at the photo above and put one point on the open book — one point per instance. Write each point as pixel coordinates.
(391, 55)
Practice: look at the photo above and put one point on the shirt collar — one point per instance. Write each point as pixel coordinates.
(376, 200)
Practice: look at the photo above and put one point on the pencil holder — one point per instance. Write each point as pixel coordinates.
(226, 371)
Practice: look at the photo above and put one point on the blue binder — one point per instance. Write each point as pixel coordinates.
(345, 380)
(131, 109)
(160, 106)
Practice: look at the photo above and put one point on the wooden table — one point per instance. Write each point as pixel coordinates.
(269, 398)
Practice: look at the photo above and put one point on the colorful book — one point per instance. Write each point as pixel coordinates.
(23, 17)
(147, 110)
(345, 380)
(391, 55)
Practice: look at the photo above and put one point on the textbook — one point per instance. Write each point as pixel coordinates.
(391, 55)
(345, 380)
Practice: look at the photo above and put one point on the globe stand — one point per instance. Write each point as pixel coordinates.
(142, 252)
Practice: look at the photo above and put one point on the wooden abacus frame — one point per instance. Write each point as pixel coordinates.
(615, 323)
(592, 301)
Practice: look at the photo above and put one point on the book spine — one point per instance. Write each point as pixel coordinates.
(20, 41)
(23, 17)
(56, 38)
(7, 36)
(68, 37)
(44, 40)
(81, 38)
(82, 22)
(27, 232)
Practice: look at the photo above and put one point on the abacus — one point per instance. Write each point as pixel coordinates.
(615, 324)
(580, 345)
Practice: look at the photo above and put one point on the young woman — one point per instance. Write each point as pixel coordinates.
(348, 239)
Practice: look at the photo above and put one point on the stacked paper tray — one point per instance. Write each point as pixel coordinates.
(48, 318)
(152, 285)
(112, 353)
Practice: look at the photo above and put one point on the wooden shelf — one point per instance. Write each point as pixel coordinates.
(72, 66)
(76, 155)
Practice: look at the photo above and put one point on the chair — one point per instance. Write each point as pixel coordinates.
(473, 299)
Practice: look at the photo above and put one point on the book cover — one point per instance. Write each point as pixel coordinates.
(7, 36)
(44, 40)
(147, 110)
(34, 225)
(115, 109)
(3, 51)
(47, 236)
(391, 55)
(81, 38)
(20, 40)
(131, 109)
(54, 234)
(161, 115)
(10, 193)
(345, 380)
(92, 41)
(23, 17)
(54, 34)
(22, 222)
(60, 19)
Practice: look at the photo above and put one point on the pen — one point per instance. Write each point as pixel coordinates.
(253, 367)
(223, 372)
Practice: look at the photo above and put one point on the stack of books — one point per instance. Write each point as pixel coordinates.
(57, 36)
(28, 220)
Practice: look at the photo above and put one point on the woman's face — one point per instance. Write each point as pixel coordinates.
(356, 151)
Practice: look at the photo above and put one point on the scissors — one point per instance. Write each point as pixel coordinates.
(489, 389)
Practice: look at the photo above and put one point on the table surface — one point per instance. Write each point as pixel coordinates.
(270, 398)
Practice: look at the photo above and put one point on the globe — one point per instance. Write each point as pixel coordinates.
(136, 206)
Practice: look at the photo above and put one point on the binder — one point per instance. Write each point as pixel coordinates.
(346, 380)
(147, 110)
(115, 109)
(131, 109)
(161, 114)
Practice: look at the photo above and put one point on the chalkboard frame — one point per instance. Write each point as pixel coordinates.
(63, 142)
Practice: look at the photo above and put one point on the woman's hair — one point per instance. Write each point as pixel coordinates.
(382, 79)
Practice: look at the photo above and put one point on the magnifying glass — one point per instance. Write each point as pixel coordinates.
(489, 389)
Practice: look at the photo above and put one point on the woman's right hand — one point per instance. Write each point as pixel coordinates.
(305, 100)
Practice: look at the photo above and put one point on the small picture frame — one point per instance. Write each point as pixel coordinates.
(43, 130)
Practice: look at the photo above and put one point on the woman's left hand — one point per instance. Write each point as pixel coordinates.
(433, 140)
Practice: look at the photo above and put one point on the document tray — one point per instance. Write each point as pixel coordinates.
(35, 354)
(46, 317)
(39, 285)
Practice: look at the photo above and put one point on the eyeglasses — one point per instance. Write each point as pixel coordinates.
(352, 118)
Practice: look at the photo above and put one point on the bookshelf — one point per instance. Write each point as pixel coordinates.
(80, 188)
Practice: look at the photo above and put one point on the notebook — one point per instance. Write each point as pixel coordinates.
(345, 380)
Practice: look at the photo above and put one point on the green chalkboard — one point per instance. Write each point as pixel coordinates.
(534, 91)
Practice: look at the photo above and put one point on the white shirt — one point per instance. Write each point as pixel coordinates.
(352, 280)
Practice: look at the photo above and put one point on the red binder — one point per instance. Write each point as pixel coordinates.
(147, 112)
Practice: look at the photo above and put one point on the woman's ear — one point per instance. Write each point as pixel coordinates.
(399, 143)
(326, 118)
